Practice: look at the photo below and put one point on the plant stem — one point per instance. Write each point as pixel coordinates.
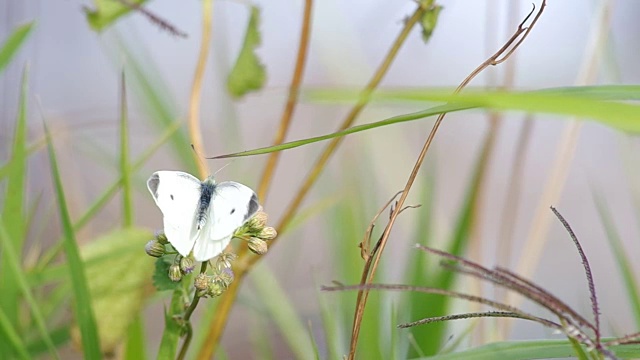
(193, 119)
(187, 317)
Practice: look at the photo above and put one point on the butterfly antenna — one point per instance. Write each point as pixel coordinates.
(225, 165)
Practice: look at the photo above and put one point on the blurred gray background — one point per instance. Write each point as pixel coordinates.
(74, 75)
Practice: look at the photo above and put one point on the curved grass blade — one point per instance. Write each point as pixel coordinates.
(125, 169)
(12, 214)
(13, 43)
(11, 258)
(536, 349)
(587, 102)
(82, 298)
(12, 337)
(393, 120)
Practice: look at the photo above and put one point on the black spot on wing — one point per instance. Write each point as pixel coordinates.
(252, 207)
(153, 183)
(232, 211)
(171, 196)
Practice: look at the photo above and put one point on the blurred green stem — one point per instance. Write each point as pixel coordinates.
(187, 317)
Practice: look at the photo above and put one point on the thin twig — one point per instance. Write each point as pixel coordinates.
(241, 267)
(292, 100)
(155, 19)
(362, 295)
(193, 120)
(587, 271)
(366, 241)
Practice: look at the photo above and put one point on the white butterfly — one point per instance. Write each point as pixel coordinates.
(200, 216)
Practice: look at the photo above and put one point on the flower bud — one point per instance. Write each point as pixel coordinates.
(268, 233)
(187, 264)
(259, 220)
(226, 276)
(216, 288)
(258, 246)
(201, 282)
(174, 272)
(161, 237)
(154, 248)
(224, 260)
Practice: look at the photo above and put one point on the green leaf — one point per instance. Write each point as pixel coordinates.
(429, 21)
(248, 73)
(83, 311)
(119, 284)
(13, 214)
(161, 279)
(106, 12)
(530, 349)
(13, 43)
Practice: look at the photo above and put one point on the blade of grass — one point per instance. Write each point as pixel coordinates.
(622, 258)
(621, 116)
(13, 212)
(82, 298)
(12, 259)
(530, 349)
(125, 174)
(13, 43)
(12, 337)
(282, 311)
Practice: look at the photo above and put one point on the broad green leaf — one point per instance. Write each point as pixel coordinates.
(106, 12)
(282, 311)
(248, 73)
(13, 43)
(83, 311)
(530, 349)
(12, 259)
(13, 214)
(118, 284)
(161, 279)
(588, 102)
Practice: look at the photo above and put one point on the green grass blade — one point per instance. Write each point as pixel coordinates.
(125, 175)
(82, 298)
(359, 128)
(13, 43)
(13, 214)
(282, 311)
(530, 349)
(135, 347)
(12, 337)
(152, 92)
(622, 258)
(563, 101)
(12, 259)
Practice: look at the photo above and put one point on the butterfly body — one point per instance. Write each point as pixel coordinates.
(200, 216)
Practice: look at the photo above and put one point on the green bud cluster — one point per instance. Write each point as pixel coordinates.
(257, 233)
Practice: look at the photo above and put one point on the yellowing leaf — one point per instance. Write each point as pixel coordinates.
(119, 276)
(248, 73)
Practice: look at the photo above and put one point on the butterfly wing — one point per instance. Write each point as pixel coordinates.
(232, 204)
(177, 195)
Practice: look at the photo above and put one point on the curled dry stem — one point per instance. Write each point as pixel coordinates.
(500, 56)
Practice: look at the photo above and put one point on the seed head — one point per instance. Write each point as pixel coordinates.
(187, 265)
(268, 233)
